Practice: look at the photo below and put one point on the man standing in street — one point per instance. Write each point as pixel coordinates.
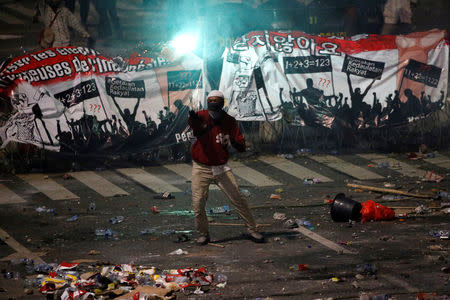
(397, 17)
(57, 17)
(215, 130)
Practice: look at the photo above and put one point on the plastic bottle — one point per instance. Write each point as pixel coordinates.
(29, 266)
(187, 190)
(290, 224)
(26, 261)
(41, 209)
(43, 268)
(443, 194)
(303, 150)
(444, 234)
(32, 282)
(108, 232)
(366, 268)
(144, 279)
(308, 181)
(301, 222)
(431, 155)
(222, 278)
(384, 164)
(147, 231)
(219, 210)
(29, 283)
(245, 193)
(307, 223)
(71, 219)
(45, 209)
(116, 219)
(103, 232)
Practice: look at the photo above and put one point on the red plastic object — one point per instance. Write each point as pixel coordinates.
(376, 212)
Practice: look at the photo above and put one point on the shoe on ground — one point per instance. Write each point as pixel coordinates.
(203, 240)
(256, 237)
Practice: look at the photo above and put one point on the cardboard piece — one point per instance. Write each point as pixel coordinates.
(153, 293)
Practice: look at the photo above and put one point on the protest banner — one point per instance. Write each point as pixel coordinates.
(76, 99)
(364, 81)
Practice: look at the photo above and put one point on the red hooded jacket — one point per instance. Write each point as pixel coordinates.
(210, 148)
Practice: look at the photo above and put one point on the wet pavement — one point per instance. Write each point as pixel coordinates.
(406, 255)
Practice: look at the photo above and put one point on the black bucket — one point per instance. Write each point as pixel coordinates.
(344, 209)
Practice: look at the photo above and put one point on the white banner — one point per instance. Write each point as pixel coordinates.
(74, 99)
(365, 81)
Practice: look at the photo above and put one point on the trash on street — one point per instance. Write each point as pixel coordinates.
(279, 216)
(178, 252)
(165, 195)
(432, 177)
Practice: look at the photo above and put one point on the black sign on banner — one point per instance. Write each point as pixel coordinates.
(363, 67)
(184, 80)
(117, 87)
(83, 91)
(307, 64)
(420, 72)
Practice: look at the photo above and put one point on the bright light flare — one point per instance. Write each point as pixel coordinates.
(184, 43)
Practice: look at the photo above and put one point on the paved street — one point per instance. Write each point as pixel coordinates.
(408, 259)
(53, 217)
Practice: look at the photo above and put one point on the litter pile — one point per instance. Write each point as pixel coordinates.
(124, 281)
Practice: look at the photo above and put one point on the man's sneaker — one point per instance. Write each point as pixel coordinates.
(203, 240)
(256, 237)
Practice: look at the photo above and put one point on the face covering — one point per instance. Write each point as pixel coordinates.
(215, 106)
(215, 110)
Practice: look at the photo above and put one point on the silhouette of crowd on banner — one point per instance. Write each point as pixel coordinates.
(311, 107)
(88, 133)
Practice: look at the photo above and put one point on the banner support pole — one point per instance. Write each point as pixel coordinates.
(168, 99)
(332, 78)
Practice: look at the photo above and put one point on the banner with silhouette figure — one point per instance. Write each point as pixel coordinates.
(75, 99)
(360, 81)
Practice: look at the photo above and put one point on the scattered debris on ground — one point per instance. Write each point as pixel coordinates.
(104, 280)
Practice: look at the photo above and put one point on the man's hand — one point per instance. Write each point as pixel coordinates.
(195, 122)
(193, 115)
